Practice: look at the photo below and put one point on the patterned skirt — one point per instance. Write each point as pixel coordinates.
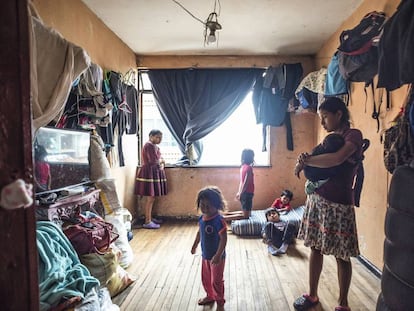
(150, 181)
(329, 227)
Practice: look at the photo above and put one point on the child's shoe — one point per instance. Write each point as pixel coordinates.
(272, 250)
(282, 249)
(157, 221)
(151, 225)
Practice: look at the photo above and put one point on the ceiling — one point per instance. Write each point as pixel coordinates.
(249, 27)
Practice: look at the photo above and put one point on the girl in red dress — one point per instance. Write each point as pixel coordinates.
(151, 181)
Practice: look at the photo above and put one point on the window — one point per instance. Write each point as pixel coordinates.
(151, 119)
(223, 146)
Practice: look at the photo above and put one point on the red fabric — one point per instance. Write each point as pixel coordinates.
(151, 179)
(212, 279)
(151, 154)
(279, 205)
(91, 235)
(246, 171)
(42, 170)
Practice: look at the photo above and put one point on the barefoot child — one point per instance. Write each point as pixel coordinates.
(212, 234)
(246, 188)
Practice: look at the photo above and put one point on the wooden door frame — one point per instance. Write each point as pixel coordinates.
(19, 287)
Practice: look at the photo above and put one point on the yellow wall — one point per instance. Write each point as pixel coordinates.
(371, 214)
(77, 24)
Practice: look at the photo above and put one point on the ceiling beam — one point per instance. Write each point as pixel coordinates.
(220, 61)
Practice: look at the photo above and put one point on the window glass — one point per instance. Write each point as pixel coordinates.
(151, 119)
(224, 145)
(145, 83)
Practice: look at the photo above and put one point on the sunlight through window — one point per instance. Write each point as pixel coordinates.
(224, 145)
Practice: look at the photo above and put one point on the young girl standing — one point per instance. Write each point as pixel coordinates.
(246, 187)
(213, 236)
(151, 180)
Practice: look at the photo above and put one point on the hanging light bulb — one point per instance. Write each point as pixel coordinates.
(212, 36)
(211, 25)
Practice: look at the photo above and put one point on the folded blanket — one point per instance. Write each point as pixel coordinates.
(61, 273)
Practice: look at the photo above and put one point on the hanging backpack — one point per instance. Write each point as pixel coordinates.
(335, 83)
(399, 138)
(358, 54)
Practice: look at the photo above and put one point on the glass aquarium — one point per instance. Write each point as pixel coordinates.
(61, 154)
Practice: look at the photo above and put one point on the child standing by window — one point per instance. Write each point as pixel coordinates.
(246, 187)
(213, 236)
(282, 204)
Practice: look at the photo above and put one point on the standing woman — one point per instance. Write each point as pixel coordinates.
(151, 181)
(328, 226)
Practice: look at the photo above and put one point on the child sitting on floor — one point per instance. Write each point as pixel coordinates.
(276, 233)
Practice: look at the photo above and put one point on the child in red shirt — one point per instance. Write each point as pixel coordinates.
(246, 188)
(282, 204)
(42, 169)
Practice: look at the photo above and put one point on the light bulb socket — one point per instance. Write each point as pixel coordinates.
(211, 37)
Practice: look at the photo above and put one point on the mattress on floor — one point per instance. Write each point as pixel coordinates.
(253, 225)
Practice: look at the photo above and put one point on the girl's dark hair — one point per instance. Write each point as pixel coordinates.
(287, 193)
(334, 104)
(155, 132)
(247, 156)
(271, 209)
(213, 195)
(40, 152)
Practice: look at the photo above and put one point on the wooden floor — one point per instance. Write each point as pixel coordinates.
(168, 275)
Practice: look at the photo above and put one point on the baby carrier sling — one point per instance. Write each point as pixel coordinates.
(277, 236)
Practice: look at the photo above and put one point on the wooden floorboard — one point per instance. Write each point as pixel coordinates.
(168, 275)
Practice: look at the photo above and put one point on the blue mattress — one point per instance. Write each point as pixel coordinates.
(253, 225)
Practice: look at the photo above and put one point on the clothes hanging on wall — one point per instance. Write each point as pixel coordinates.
(132, 100)
(396, 64)
(124, 115)
(271, 95)
(311, 90)
(108, 106)
(86, 106)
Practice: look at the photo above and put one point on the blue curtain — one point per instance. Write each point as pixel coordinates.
(193, 102)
